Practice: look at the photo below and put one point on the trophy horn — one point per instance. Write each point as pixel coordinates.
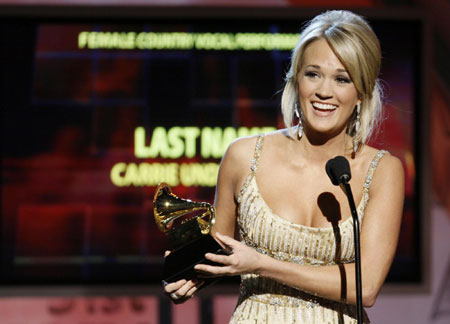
(167, 207)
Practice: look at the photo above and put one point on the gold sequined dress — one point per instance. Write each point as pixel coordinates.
(263, 300)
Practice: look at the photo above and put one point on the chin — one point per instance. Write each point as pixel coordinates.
(329, 131)
(325, 129)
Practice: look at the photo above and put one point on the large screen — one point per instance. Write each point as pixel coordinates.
(115, 107)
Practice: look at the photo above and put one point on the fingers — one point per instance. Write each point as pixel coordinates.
(174, 286)
(182, 290)
(228, 243)
(189, 285)
(219, 258)
(166, 253)
(224, 239)
(207, 271)
(191, 291)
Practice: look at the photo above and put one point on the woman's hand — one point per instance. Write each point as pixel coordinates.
(243, 259)
(181, 290)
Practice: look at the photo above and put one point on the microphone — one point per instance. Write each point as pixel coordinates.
(338, 170)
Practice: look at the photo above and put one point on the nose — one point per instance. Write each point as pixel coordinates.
(324, 90)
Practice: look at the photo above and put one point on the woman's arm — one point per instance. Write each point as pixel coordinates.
(231, 170)
(234, 166)
(379, 235)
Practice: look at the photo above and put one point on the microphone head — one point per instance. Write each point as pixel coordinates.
(338, 170)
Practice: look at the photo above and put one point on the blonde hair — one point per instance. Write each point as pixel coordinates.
(357, 47)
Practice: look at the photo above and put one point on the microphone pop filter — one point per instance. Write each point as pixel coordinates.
(338, 170)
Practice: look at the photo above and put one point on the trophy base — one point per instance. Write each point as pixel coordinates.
(180, 263)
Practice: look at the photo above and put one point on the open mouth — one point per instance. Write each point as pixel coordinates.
(323, 107)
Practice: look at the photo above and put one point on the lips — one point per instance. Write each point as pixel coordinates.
(323, 109)
(323, 106)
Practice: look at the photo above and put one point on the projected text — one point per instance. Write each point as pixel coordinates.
(186, 41)
(174, 143)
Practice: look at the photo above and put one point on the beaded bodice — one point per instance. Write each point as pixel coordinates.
(281, 239)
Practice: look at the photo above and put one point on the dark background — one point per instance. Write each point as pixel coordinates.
(68, 115)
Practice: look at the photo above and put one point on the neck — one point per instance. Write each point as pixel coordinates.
(321, 147)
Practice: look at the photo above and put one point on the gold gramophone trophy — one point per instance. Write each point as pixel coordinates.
(190, 240)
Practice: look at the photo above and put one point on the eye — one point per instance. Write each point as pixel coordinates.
(311, 74)
(342, 79)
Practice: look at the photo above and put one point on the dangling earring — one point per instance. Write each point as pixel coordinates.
(357, 125)
(300, 125)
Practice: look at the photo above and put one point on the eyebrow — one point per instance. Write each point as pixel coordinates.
(318, 67)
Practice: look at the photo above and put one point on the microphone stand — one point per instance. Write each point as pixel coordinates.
(351, 202)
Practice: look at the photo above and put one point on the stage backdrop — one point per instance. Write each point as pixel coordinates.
(114, 107)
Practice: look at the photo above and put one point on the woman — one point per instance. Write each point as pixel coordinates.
(296, 252)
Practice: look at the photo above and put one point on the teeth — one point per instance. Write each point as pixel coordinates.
(323, 106)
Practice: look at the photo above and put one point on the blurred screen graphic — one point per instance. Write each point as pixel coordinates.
(115, 107)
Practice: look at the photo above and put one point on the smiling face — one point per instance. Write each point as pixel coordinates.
(327, 94)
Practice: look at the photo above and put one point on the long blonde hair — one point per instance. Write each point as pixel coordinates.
(357, 47)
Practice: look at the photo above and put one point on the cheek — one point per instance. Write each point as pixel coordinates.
(305, 90)
(348, 96)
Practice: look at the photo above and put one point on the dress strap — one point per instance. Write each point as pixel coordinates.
(257, 153)
(372, 167)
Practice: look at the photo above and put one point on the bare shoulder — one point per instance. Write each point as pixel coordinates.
(389, 170)
(243, 148)
(237, 159)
